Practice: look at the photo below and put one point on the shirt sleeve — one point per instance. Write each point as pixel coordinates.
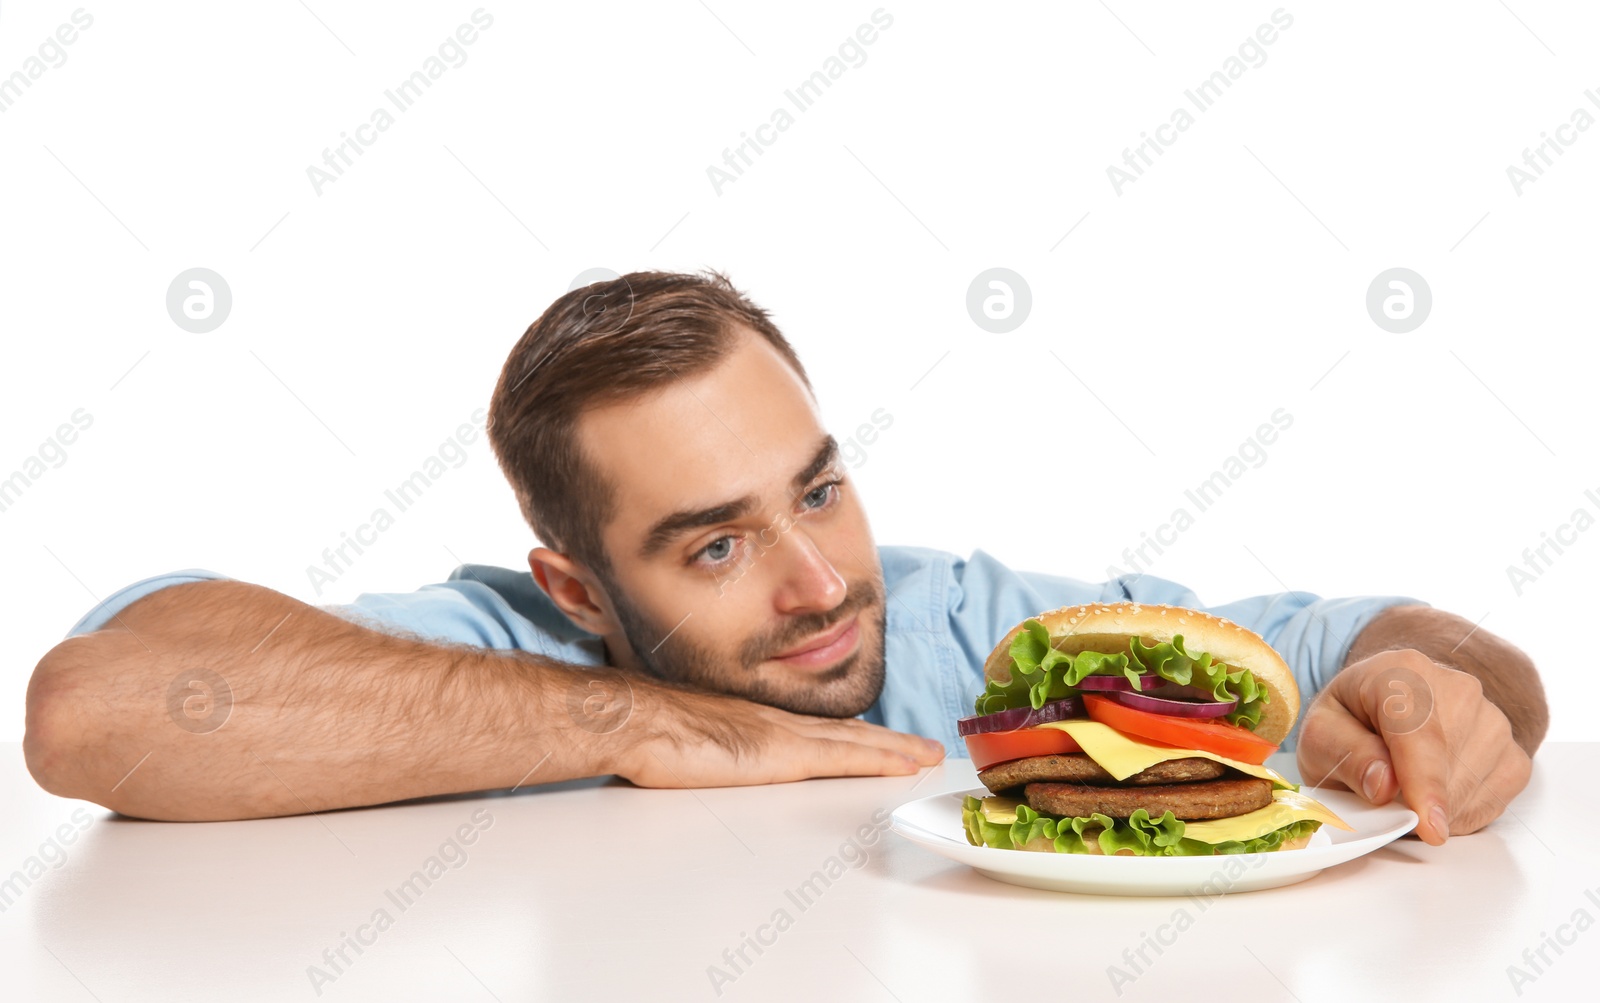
(1312, 633)
(468, 609)
(107, 609)
(479, 606)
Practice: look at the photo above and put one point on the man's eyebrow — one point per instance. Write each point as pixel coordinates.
(670, 527)
(827, 452)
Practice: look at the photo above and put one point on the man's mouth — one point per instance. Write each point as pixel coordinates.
(825, 649)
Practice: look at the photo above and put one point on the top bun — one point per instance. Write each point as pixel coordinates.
(1108, 626)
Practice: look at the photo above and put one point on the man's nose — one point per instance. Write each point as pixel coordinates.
(808, 581)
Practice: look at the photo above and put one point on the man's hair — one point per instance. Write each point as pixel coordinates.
(602, 344)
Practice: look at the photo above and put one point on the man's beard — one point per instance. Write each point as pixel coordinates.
(845, 690)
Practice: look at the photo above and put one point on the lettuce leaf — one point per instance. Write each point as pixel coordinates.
(1171, 662)
(1041, 673)
(1145, 836)
(981, 831)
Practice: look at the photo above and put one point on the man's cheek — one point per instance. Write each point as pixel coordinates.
(850, 542)
(732, 632)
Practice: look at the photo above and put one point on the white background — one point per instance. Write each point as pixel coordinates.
(370, 320)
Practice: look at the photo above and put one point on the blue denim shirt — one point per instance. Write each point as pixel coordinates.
(945, 614)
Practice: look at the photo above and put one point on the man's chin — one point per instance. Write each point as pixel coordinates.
(845, 689)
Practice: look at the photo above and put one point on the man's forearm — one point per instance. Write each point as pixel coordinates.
(315, 712)
(1508, 676)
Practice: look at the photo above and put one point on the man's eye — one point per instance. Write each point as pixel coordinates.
(820, 495)
(717, 550)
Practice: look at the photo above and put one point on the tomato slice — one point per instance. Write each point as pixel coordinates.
(1220, 737)
(1003, 746)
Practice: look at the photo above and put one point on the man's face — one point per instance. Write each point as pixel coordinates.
(741, 558)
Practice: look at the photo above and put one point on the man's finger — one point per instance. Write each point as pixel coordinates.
(1488, 791)
(925, 751)
(1401, 702)
(834, 758)
(1334, 746)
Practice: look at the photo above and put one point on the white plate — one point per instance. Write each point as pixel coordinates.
(935, 822)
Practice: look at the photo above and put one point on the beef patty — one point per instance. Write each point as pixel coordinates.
(1223, 798)
(1077, 768)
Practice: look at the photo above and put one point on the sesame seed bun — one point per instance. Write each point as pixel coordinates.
(1108, 626)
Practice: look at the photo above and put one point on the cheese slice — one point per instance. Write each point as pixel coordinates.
(1122, 756)
(999, 810)
(1287, 807)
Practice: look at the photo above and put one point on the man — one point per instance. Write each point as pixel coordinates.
(707, 608)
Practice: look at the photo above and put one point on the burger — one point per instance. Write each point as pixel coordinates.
(1135, 730)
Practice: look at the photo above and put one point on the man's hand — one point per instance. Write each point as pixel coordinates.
(682, 738)
(1397, 722)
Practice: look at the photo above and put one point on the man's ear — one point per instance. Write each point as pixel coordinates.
(573, 589)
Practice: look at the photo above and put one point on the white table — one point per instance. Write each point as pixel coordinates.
(597, 890)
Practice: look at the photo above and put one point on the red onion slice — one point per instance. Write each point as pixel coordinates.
(1174, 708)
(1175, 691)
(1021, 717)
(1151, 685)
